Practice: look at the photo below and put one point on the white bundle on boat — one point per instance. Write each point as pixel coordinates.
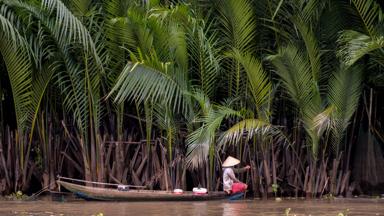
(122, 187)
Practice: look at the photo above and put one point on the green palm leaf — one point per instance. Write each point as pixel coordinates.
(66, 27)
(201, 142)
(295, 71)
(15, 53)
(260, 86)
(354, 45)
(166, 121)
(370, 13)
(71, 80)
(237, 28)
(142, 83)
(40, 84)
(116, 8)
(296, 74)
(247, 129)
(19, 69)
(311, 47)
(344, 95)
(238, 24)
(80, 8)
(205, 55)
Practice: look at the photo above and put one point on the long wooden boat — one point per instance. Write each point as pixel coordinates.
(108, 194)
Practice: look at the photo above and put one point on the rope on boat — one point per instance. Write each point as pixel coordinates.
(42, 190)
(99, 183)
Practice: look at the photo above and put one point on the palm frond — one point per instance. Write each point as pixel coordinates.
(16, 55)
(276, 11)
(179, 44)
(312, 10)
(311, 45)
(323, 121)
(202, 140)
(19, 69)
(10, 26)
(120, 34)
(202, 99)
(62, 24)
(116, 8)
(295, 71)
(142, 83)
(178, 13)
(80, 8)
(65, 26)
(344, 94)
(247, 129)
(354, 45)
(166, 121)
(238, 24)
(68, 27)
(370, 13)
(205, 56)
(259, 83)
(40, 84)
(199, 142)
(72, 83)
(296, 74)
(237, 29)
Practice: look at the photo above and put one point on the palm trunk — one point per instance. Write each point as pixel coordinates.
(87, 170)
(268, 180)
(4, 167)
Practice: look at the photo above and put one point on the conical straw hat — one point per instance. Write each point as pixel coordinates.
(230, 161)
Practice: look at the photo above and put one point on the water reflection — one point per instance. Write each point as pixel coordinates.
(234, 209)
(212, 208)
(199, 208)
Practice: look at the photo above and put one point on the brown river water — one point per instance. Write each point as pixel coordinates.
(221, 208)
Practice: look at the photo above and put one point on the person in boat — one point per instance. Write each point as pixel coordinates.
(231, 184)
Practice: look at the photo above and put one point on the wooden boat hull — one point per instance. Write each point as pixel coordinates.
(106, 194)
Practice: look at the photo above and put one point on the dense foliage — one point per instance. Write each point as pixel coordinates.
(158, 92)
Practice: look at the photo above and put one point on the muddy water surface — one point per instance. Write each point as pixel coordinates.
(226, 208)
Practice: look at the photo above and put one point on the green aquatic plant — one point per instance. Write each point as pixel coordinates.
(286, 212)
(344, 213)
(18, 195)
(275, 188)
(329, 197)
